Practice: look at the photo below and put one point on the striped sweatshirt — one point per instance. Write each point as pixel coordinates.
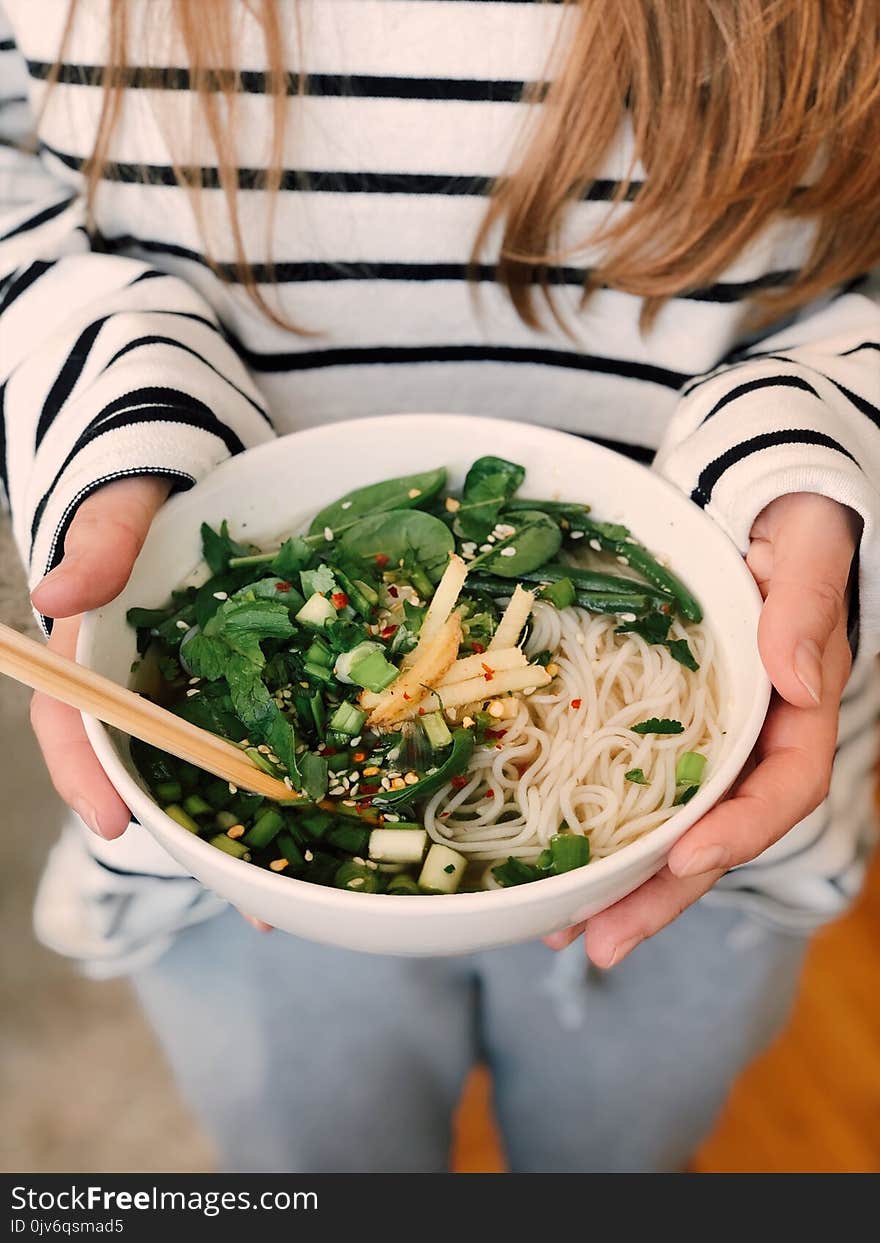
(122, 352)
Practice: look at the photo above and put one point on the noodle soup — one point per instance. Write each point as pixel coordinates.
(466, 690)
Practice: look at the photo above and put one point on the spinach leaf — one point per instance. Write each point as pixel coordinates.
(148, 619)
(402, 535)
(406, 492)
(537, 539)
(204, 657)
(314, 776)
(489, 483)
(219, 546)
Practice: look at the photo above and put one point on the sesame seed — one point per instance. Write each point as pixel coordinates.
(413, 493)
(263, 749)
(308, 856)
(496, 709)
(552, 669)
(278, 865)
(451, 714)
(510, 551)
(411, 779)
(372, 865)
(358, 860)
(328, 534)
(348, 802)
(288, 783)
(469, 548)
(233, 789)
(336, 791)
(595, 545)
(372, 771)
(192, 691)
(356, 883)
(235, 831)
(504, 529)
(485, 548)
(354, 742)
(182, 625)
(345, 505)
(627, 617)
(386, 783)
(623, 560)
(452, 505)
(221, 595)
(391, 817)
(577, 535)
(194, 681)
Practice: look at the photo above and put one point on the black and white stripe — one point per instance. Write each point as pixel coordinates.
(126, 350)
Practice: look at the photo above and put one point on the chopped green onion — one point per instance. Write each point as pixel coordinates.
(561, 594)
(179, 815)
(195, 805)
(636, 776)
(290, 851)
(230, 847)
(315, 822)
(689, 769)
(680, 649)
(514, 872)
(685, 796)
(569, 851)
(437, 730)
(169, 791)
(358, 878)
(349, 838)
(265, 829)
(348, 719)
(319, 654)
(404, 885)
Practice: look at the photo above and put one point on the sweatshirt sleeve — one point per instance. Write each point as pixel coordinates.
(108, 368)
(800, 412)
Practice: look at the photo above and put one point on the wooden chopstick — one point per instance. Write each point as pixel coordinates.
(43, 670)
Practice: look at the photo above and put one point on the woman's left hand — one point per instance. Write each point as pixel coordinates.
(800, 554)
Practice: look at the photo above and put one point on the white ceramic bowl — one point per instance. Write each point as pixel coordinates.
(271, 491)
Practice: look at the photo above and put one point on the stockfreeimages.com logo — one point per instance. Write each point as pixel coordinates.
(96, 1199)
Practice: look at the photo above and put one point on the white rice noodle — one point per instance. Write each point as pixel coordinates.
(563, 758)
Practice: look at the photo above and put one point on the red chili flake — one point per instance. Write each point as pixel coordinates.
(339, 600)
(575, 703)
(490, 794)
(324, 750)
(283, 586)
(478, 648)
(488, 673)
(381, 560)
(444, 814)
(405, 695)
(458, 783)
(359, 757)
(392, 590)
(495, 733)
(388, 632)
(421, 711)
(366, 788)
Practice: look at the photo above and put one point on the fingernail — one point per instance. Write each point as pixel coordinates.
(88, 815)
(704, 859)
(621, 950)
(808, 667)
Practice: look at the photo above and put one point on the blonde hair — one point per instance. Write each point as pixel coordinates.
(742, 111)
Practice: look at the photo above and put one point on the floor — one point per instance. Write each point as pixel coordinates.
(85, 1089)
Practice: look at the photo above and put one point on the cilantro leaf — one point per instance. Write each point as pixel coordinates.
(636, 776)
(219, 546)
(293, 556)
(653, 627)
(658, 725)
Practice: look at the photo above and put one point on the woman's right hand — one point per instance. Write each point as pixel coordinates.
(102, 543)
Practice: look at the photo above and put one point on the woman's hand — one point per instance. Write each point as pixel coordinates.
(800, 555)
(102, 543)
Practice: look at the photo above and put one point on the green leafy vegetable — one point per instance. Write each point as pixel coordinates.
(680, 649)
(455, 763)
(659, 725)
(653, 628)
(407, 492)
(405, 536)
(219, 547)
(636, 776)
(293, 555)
(514, 872)
(489, 483)
(685, 796)
(537, 539)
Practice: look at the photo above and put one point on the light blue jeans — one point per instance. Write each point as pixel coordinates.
(300, 1058)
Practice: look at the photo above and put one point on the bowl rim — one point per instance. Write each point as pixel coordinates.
(655, 842)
